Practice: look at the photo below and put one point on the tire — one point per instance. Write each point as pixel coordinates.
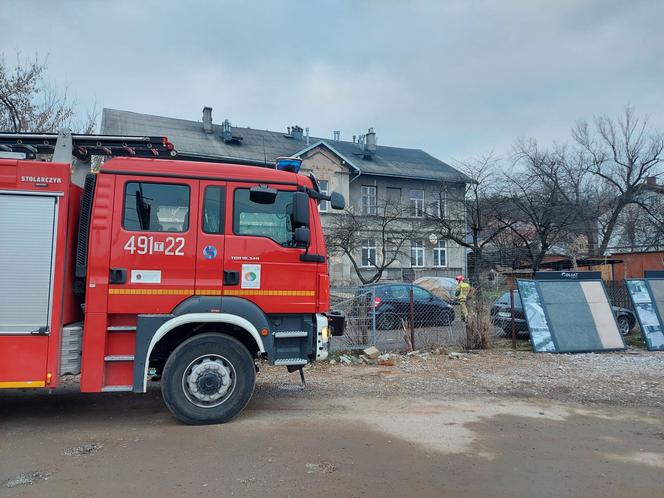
(387, 320)
(624, 327)
(221, 367)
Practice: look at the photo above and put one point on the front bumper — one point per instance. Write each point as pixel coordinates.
(322, 337)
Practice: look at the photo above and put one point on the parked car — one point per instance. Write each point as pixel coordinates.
(502, 316)
(391, 303)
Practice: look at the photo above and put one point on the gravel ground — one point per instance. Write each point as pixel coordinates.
(623, 379)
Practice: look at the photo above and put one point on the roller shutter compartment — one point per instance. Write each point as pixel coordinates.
(27, 242)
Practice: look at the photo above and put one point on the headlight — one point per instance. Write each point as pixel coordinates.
(325, 332)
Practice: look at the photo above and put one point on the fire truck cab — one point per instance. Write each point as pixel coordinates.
(159, 268)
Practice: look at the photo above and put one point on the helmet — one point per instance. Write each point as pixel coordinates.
(460, 278)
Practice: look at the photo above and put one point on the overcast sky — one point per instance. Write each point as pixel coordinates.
(455, 78)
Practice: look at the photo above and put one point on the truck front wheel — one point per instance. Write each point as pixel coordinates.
(208, 379)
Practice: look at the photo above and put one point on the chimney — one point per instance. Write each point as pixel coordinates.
(370, 143)
(337, 135)
(296, 132)
(207, 119)
(307, 132)
(226, 131)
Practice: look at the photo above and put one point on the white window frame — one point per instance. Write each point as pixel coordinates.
(417, 253)
(416, 203)
(369, 193)
(368, 248)
(437, 251)
(324, 206)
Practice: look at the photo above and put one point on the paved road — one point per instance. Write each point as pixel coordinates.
(299, 444)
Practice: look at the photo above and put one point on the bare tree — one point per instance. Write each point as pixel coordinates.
(389, 229)
(29, 104)
(470, 217)
(621, 153)
(538, 212)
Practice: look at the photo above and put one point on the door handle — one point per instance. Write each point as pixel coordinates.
(117, 276)
(231, 277)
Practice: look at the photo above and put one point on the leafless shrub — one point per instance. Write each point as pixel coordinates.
(479, 327)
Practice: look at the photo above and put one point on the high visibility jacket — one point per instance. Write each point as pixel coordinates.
(462, 291)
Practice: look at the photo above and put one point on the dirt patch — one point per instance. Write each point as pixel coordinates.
(494, 424)
(625, 379)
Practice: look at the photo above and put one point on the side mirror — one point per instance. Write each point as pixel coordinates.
(300, 213)
(302, 237)
(262, 195)
(337, 201)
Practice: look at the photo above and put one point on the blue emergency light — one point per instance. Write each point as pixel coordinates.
(290, 164)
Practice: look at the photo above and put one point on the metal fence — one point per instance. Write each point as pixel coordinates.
(396, 317)
(393, 318)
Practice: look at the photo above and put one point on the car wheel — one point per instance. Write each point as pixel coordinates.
(623, 325)
(208, 379)
(387, 321)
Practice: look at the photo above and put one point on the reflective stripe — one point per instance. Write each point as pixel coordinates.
(162, 292)
(211, 292)
(258, 292)
(23, 384)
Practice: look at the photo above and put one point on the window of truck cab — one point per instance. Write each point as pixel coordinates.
(272, 221)
(155, 207)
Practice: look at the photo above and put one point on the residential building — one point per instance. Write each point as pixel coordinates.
(370, 176)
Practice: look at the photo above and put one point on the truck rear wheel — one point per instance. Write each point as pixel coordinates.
(208, 379)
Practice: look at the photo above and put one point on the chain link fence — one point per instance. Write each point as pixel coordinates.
(397, 316)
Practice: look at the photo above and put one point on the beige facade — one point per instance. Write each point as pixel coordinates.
(433, 256)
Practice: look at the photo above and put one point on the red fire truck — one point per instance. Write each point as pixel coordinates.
(157, 268)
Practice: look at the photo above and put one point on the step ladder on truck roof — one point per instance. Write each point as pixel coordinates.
(154, 267)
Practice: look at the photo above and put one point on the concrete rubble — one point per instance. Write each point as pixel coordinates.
(373, 356)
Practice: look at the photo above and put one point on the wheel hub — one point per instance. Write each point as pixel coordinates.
(208, 380)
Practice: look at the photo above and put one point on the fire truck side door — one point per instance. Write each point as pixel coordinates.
(153, 249)
(260, 253)
(210, 246)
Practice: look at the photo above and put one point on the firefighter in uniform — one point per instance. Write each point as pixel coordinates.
(462, 292)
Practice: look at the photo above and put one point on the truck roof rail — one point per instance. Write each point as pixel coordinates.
(66, 146)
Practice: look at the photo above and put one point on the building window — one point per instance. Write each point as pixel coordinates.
(368, 252)
(439, 206)
(324, 206)
(440, 253)
(416, 253)
(368, 200)
(417, 203)
(393, 196)
(156, 207)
